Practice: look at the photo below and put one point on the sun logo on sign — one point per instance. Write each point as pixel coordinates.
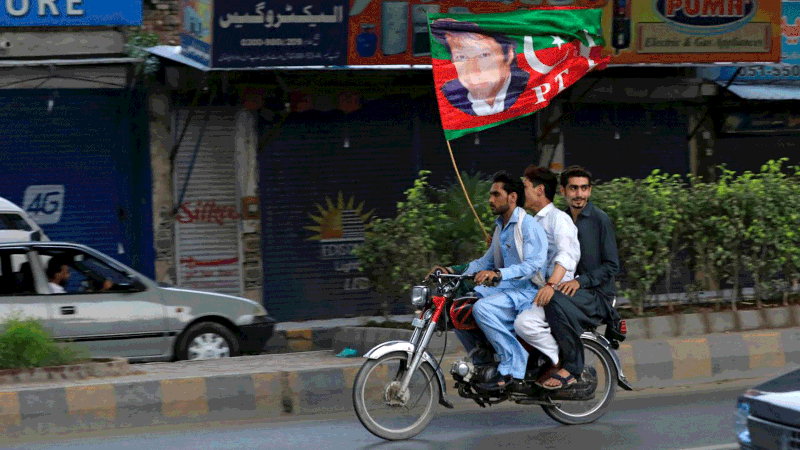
(339, 221)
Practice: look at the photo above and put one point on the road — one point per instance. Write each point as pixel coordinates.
(695, 417)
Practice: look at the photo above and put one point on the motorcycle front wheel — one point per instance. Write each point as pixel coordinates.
(597, 364)
(387, 411)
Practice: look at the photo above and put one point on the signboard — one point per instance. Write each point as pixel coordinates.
(790, 55)
(652, 31)
(253, 33)
(70, 13)
(693, 31)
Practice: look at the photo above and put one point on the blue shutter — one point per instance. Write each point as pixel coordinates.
(74, 146)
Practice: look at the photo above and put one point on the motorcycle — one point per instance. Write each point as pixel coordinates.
(396, 390)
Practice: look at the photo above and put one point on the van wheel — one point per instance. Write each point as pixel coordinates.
(207, 340)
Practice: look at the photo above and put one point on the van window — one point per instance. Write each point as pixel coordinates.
(13, 221)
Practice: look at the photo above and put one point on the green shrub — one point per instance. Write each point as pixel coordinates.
(25, 343)
(645, 219)
(432, 226)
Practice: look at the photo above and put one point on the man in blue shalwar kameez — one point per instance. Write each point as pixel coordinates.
(518, 251)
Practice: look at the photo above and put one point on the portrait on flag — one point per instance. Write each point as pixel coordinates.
(489, 69)
(489, 80)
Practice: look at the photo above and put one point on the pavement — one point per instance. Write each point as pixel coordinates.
(659, 352)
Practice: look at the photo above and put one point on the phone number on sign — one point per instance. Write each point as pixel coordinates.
(770, 71)
(271, 42)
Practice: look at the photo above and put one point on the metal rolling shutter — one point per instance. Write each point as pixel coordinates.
(307, 172)
(649, 139)
(207, 224)
(63, 165)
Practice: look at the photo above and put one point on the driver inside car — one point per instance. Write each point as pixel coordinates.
(59, 271)
(518, 251)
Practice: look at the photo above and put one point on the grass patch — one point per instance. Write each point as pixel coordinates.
(25, 343)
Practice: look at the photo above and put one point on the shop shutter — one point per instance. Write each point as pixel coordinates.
(648, 139)
(309, 272)
(68, 166)
(207, 223)
(321, 177)
(746, 152)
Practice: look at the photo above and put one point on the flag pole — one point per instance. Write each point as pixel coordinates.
(463, 188)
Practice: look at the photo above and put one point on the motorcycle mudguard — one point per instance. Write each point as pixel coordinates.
(600, 339)
(404, 346)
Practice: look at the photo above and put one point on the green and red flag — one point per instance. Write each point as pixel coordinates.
(493, 68)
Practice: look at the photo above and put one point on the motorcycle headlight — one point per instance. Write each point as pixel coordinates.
(419, 295)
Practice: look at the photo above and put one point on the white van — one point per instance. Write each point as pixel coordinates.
(16, 225)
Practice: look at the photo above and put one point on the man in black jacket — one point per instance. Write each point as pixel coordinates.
(586, 301)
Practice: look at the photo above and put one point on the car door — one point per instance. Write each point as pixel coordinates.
(18, 298)
(114, 320)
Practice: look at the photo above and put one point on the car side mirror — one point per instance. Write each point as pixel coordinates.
(129, 285)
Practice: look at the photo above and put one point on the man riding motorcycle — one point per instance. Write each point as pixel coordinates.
(518, 251)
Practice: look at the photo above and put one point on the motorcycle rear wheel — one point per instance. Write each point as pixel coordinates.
(386, 414)
(576, 412)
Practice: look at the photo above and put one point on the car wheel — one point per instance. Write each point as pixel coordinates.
(208, 340)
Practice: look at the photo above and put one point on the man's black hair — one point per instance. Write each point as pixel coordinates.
(55, 264)
(440, 28)
(542, 175)
(572, 172)
(511, 185)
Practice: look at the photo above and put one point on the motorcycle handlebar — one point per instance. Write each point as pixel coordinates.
(438, 276)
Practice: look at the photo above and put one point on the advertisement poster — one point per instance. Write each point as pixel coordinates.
(196, 36)
(692, 31)
(635, 31)
(790, 56)
(253, 33)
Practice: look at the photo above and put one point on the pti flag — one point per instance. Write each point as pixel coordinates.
(493, 68)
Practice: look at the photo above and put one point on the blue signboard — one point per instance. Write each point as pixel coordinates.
(789, 69)
(252, 33)
(56, 13)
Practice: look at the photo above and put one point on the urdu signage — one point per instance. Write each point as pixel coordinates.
(255, 33)
(69, 13)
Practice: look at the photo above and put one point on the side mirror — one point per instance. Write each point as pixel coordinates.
(129, 285)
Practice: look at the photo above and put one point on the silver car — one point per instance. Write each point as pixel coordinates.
(81, 295)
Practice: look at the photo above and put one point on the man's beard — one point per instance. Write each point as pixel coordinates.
(500, 210)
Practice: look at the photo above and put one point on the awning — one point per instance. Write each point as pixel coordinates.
(764, 91)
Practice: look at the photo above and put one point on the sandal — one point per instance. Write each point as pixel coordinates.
(565, 381)
(547, 374)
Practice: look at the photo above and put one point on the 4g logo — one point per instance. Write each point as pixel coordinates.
(44, 203)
